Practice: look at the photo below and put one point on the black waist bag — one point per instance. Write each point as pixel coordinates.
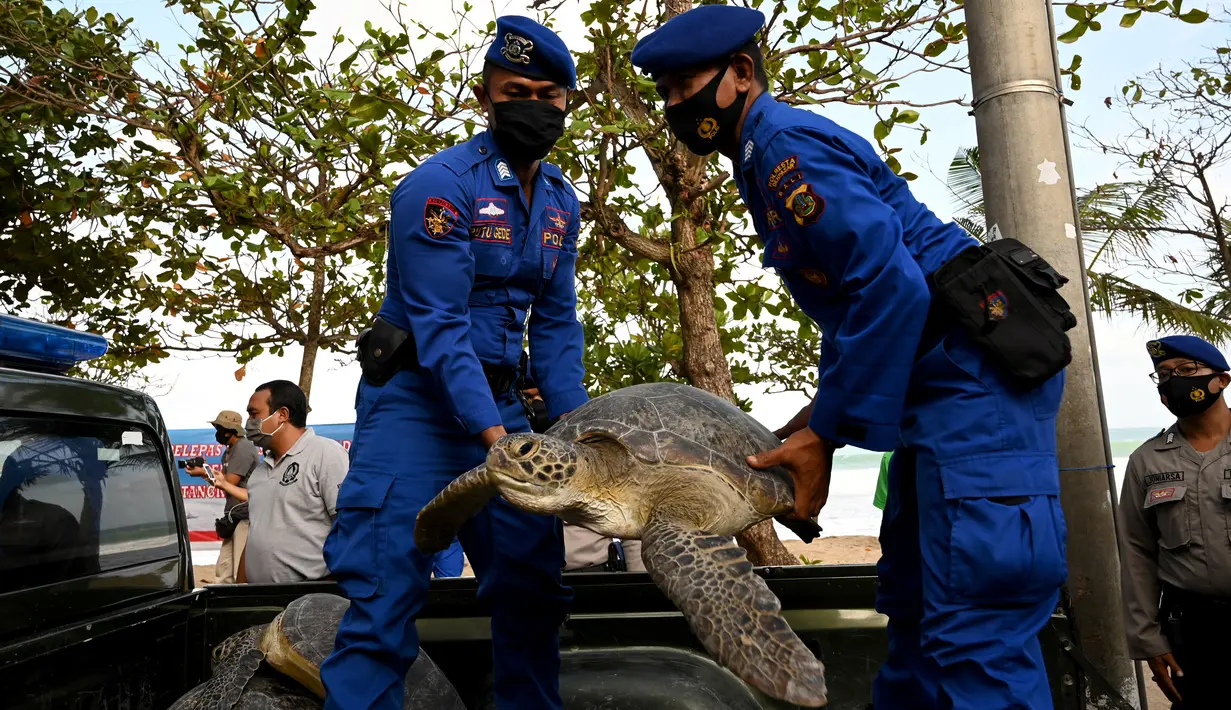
(384, 349)
(226, 525)
(1007, 298)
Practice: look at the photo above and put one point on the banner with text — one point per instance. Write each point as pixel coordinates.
(203, 502)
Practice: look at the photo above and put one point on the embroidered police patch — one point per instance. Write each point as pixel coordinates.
(557, 220)
(815, 276)
(491, 210)
(707, 128)
(492, 233)
(517, 49)
(439, 217)
(780, 171)
(1162, 494)
(552, 240)
(788, 183)
(1164, 477)
(806, 205)
(782, 250)
(997, 306)
(773, 219)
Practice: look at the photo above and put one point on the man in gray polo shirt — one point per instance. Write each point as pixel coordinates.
(293, 492)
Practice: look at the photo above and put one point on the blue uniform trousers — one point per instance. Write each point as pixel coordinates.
(973, 539)
(406, 449)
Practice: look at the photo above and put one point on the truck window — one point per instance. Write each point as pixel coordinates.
(78, 498)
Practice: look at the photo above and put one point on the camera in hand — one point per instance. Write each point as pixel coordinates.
(194, 462)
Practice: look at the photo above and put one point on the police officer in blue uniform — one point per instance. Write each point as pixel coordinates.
(973, 536)
(482, 248)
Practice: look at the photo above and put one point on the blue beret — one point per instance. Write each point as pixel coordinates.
(1186, 346)
(698, 36)
(525, 47)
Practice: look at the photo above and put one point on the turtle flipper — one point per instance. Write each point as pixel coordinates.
(443, 516)
(732, 611)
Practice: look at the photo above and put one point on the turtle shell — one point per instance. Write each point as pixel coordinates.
(302, 636)
(676, 424)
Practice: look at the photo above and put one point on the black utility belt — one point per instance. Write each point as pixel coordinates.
(1176, 599)
(1007, 299)
(385, 350)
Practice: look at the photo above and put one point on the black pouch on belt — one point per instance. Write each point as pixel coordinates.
(383, 350)
(1007, 298)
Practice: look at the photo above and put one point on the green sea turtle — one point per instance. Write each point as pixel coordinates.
(301, 637)
(276, 666)
(663, 463)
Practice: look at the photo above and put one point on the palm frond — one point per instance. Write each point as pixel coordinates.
(1119, 217)
(973, 226)
(1113, 294)
(965, 182)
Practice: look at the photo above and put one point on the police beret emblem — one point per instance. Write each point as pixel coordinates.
(707, 128)
(805, 204)
(1197, 395)
(1155, 348)
(517, 49)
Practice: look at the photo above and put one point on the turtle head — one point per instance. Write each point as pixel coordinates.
(534, 471)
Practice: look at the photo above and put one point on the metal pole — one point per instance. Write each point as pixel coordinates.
(1029, 195)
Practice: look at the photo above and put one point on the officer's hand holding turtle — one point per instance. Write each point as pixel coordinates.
(809, 458)
(492, 435)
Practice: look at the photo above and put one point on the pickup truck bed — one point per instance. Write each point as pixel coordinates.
(110, 620)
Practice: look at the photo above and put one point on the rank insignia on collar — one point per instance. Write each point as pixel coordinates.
(748, 148)
(1171, 437)
(503, 169)
(439, 217)
(805, 204)
(517, 49)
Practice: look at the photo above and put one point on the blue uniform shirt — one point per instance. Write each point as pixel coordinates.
(854, 248)
(469, 259)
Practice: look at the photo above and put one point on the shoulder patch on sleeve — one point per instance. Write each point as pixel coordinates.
(439, 217)
(781, 170)
(806, 206)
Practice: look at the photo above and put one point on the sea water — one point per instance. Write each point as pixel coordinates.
(849, 510)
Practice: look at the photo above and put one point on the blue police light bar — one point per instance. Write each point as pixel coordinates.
(45, 346)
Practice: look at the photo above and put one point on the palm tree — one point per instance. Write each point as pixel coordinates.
(1118, 220)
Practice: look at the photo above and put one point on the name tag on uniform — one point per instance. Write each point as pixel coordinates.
(1164, 477)
(493, 234)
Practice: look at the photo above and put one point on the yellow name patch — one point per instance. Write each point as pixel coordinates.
(781, 171)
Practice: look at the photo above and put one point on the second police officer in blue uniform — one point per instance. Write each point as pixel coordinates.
(973, 536)
(482, 235)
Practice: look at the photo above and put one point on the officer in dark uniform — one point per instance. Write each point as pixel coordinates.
(482, 246)
(1175, 523)
(973, 537)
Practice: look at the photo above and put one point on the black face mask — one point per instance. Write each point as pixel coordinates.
(699, 123)
(526, 130)
(222, 437)
(1188, 396)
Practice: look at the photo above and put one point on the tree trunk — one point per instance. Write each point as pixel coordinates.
(706, 367)
(312, 344)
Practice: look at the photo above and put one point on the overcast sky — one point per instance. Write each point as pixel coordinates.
(200, 386)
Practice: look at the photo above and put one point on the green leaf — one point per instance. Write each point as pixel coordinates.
(881, 132)
(1077, 12)
(1195, 17)
(1074, 34)
(1130, 19)
(907, 116)
(91, 16)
